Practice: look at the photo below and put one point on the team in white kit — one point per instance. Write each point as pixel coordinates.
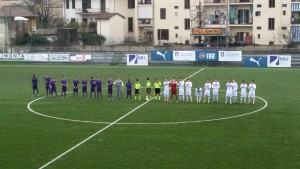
(185, 91)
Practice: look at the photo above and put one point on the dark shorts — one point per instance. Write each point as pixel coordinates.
(47, 87)
(64, 88)
(148, 90)
(99, 90)
(34, 87)
(129, 92)
(75, 90)
(92, 89)
(157, 91)
(137, 91)
(173, 91)
(53, 89)
(109, 90)
(84, 89)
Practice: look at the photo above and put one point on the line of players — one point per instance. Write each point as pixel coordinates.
(184, 89)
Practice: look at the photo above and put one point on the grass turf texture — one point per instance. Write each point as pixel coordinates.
(267, 139)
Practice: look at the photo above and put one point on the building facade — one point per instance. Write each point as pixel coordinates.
(208, 22)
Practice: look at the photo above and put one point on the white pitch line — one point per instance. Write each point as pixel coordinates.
(103, 129)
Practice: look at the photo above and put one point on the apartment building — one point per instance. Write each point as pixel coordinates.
(191, 21)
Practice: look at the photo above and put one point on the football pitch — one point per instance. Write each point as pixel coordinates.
(40, 132)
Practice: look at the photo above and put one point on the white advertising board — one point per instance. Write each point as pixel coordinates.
(137, 60)
(59, 57)
(36, 57)
(80, 58)
(184, 56)
(230, 56)
(279, 61)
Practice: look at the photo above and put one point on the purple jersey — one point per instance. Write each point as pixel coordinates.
(128, 86)
(93, 83)
(52, 83)
(34, 81)
(98, 84)
(84, 85)
(75, 83)
(47, 82)
(64, 82)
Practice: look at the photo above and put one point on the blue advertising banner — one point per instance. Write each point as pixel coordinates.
(206, 56)
(256, 61)
(162, 55)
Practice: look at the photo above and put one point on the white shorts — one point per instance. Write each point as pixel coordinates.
(251, 94)
(207, 93)
(181, 92)
(234, 93)
(215, 92)
(243, 94)
(188, 92)
(166, 92)
(229, 94)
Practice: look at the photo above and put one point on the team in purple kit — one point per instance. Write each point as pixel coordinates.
(75, 87)
(99, 88)
(84, 87)
(64, 87)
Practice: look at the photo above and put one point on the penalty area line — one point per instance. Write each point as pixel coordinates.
(103, 129)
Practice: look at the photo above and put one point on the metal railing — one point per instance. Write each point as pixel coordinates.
(215, 1)
(295, 21)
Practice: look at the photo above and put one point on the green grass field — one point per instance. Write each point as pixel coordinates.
(156, 135)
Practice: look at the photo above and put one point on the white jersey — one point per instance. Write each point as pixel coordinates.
(166, 87)
(252, 88)
(234, 88)
(188, 88)
(207, 87)
(181, 87)
(229, 89)
(198, 92)
(243, 88)
(216, 87)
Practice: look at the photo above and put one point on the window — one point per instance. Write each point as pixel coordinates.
(67, 4)
(284, 12)
(257, 13)
(258, 28)
(176, 35)
(85, 20)
(162, 13)
(187, 24)
(283, 28)
(258, 5)
(271, 3)
(103, 5)
(175, 7)
(73, 4)
(271, 24)
(130, 24)
(176, 27)
(258, 36)
(284, 5)
(162, 34)
(73, 20)
(186, 4)
(131, 4)
(176, 14)
(86, 4)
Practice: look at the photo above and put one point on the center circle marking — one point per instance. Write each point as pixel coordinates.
(157, 123)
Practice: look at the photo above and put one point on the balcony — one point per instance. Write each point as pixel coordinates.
(241, 21)
(295, 21)
(295, 1)
(215, 22)
(89, 10)
(240, 1)
(215, 2)
(144, 2)
(145, 22)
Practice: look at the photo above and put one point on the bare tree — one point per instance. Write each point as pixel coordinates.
(285, 36)
(43, 8)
